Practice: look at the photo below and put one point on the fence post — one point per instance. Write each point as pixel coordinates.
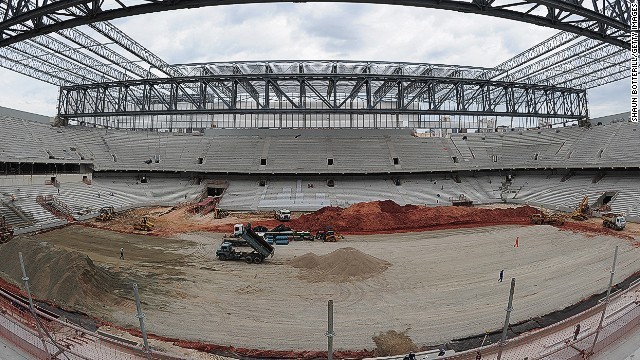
(509, 308)
(32, 309)
(140, 316)
(330, 334)
(606, 302)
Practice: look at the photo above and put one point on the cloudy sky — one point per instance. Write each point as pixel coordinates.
(320, 31)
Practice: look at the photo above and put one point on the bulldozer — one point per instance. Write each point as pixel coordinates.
(219, 213)
(106, 213)
(328, 235)
(546, 217)
(145, 224)
(583, 211)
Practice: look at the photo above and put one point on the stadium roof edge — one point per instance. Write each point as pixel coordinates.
(24, 115)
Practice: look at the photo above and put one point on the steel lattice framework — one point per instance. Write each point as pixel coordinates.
(606, 20)
(314, 94)
(101, 86)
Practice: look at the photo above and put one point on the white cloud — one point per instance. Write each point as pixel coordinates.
(319, 31)
(609, 99)
(27, 94)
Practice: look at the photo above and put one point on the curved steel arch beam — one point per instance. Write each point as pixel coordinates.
(561, 15)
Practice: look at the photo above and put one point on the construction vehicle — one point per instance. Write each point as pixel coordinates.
(328, 235)
(229, 250)
(283, 215)
(6, 230)
(219, 213)
(461, 200)
(106, 213)
(144, 224)
(546, 217)
(614, 221)
(583, 210)
(280, 232)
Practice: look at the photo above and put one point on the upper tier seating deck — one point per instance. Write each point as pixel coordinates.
(312, 151)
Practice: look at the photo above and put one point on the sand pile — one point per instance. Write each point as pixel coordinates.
(387, 216)
(342, 265)
(67, 278)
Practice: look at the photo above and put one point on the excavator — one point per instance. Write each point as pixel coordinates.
(144, 224)
(583, 210)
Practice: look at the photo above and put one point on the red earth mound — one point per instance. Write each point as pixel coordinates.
(389, 217)
(593, 229)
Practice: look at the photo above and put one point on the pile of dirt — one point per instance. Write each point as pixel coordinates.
(393, 343)
(593, 229)
(341, 265)
(236, 352)
(68, 279)
(389, 217)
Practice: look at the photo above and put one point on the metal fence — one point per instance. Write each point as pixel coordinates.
(46, 336)
(559, 341)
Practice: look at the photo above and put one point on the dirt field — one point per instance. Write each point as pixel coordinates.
(434, 285)
(439, 285)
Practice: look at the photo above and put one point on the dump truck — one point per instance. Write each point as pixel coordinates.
(283, 215)
(106, 213)
(614, 221)
(6, 230)
(261, 249)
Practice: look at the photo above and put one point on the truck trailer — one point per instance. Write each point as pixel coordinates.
(234, 251)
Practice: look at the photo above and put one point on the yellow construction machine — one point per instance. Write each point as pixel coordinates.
(145, 224)
(583, 210)
(546, 217)
(219, 213)
(106, 213)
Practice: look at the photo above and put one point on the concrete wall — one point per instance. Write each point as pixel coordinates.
(13, 180)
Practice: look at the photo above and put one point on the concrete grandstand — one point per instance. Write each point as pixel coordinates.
(307, 169)
(80, 170)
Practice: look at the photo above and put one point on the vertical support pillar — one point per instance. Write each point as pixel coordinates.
(140, 316)
(509, 308)
(606, 302)
(330, 334)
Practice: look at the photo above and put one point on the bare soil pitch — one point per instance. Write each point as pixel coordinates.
(439, 284)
